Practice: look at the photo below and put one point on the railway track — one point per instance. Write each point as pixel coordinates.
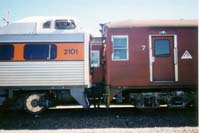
(80, 119)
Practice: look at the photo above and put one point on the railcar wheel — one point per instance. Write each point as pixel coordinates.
(32, 104)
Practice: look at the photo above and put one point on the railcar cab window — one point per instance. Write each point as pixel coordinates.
(6, 52)
(47, 25)
(65, 24)
(39, 52)
(120, 47)
(162, 48)
(95, 59)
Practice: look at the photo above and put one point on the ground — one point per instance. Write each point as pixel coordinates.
(117, 120)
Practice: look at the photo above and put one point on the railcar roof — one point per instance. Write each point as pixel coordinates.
(43, 18)
(153, 23)
(35, 25)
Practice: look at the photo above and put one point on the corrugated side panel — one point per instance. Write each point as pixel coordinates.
(54, 73)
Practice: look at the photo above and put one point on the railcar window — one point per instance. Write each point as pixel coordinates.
(162, 48)
(120, 47)
(65, 24)
(95, 58)
(53, 51)
(40, 52)
(6, 52)
(47, 25)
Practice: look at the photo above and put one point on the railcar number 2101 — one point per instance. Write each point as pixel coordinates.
(70, 51)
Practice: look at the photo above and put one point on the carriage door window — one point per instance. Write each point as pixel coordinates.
(120, 47)
(6, 52)
(162, 48)
(95, 59)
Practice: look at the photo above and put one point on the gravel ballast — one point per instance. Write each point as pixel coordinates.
(117, 120)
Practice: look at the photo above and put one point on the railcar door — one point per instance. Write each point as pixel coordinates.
(163, 64)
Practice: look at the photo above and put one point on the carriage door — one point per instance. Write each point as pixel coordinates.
(163, 65)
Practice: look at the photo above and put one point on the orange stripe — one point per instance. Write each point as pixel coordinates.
(70, 51)
(65, 51)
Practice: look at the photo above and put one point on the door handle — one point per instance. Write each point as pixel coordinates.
(175, 56)
(152, 59)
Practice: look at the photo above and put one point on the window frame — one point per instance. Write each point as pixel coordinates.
(49, 52)
(98, 53)
(127, 47)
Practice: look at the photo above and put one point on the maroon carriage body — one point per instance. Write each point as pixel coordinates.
(96, 49)
(151, 54)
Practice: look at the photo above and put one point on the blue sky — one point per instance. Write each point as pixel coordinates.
(92, 12)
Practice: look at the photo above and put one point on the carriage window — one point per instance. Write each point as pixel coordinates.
(120, 47)
(40, 51)
(65, 24)
(47, 25)
(95, 59)
(162, 48)
(6, 52)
